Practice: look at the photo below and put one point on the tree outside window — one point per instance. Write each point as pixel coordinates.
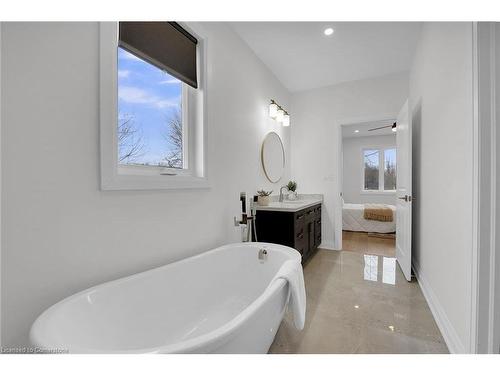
(150, 126)
(375, 177)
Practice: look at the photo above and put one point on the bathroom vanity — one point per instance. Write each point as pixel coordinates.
(291, 223)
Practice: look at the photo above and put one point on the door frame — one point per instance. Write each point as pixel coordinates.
(337, 204)
(485, 262)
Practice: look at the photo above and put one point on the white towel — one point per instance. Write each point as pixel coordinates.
(291, 271)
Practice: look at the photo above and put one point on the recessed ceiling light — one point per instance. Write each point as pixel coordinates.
(328, 31)
(356, 131)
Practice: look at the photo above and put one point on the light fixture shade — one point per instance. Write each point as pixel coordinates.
(273, 109)
(286, 119)
(281, 114)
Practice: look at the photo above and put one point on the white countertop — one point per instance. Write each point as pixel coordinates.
(291, 206)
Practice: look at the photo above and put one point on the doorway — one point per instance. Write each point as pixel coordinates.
(369, 183)
(375, 195)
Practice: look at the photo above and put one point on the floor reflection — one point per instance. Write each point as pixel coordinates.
(370, 270)
(360, 303)
(389, 271)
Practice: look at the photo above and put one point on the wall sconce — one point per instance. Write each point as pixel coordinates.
(281, 114)
(276, 112)
(273, 109)
(286, 119)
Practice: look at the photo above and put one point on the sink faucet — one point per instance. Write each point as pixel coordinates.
(281, 192)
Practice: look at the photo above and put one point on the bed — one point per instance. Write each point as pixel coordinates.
(353, 220)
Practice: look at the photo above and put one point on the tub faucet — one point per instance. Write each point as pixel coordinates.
(263, 255)
(281, 192)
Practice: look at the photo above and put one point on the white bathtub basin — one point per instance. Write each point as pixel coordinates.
(221, 301)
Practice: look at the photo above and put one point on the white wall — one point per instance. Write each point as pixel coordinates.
(487, 83)
(61, 234)
(316, 119)
(1, 23)
(496, 218)
(441, 109)
(353, 169)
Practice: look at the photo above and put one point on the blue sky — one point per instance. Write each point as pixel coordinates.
(149, 95)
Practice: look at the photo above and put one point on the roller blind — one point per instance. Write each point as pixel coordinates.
(164, 44)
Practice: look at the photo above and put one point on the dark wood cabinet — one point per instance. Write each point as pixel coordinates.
(300, 230)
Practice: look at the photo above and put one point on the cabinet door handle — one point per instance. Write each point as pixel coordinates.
(300, 217)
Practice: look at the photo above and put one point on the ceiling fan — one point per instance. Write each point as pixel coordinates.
(393, 127)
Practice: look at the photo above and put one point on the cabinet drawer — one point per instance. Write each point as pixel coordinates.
(300, 219)
(317, 225)
(309, 215)
(317, 212)
(299, 234)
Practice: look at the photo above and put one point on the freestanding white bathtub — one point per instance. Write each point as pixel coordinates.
(221, 301)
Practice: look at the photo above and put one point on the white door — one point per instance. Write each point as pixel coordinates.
(403, 192)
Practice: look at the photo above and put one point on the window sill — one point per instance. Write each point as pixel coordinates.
(157, 182)
(378, 192)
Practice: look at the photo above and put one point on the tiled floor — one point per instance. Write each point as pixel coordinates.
(359, 303)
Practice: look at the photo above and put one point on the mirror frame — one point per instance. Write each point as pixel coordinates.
(262, 156)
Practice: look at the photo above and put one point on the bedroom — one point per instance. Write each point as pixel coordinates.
(369, 160)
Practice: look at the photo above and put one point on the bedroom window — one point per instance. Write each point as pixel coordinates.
(153, 93)
(379, 170)
(372, 169)
(389, 169)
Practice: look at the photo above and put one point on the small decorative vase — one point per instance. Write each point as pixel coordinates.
(263, 200)
(292, 196)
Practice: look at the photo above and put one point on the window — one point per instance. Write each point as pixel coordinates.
(153, 95)
(390, 169)
(371, 161)
(150, 124)
(379, 169)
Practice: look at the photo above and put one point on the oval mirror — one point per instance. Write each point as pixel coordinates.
(272, 155)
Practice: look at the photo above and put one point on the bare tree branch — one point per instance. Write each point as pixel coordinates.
(130, 143)
(174, 139)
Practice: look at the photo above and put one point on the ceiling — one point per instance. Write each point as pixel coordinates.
(302, 57)
(348, 131)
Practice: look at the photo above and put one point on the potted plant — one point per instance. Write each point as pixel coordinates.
(264, 198)
(292, 187)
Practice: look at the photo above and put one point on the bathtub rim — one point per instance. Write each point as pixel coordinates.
(221, 333)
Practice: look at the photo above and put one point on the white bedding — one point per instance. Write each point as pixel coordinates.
(353, 220)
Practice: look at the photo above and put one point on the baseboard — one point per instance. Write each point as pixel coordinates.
(327, 246)
(455, 345)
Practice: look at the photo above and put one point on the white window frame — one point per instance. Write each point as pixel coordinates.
(381, 160)
(115, 176)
